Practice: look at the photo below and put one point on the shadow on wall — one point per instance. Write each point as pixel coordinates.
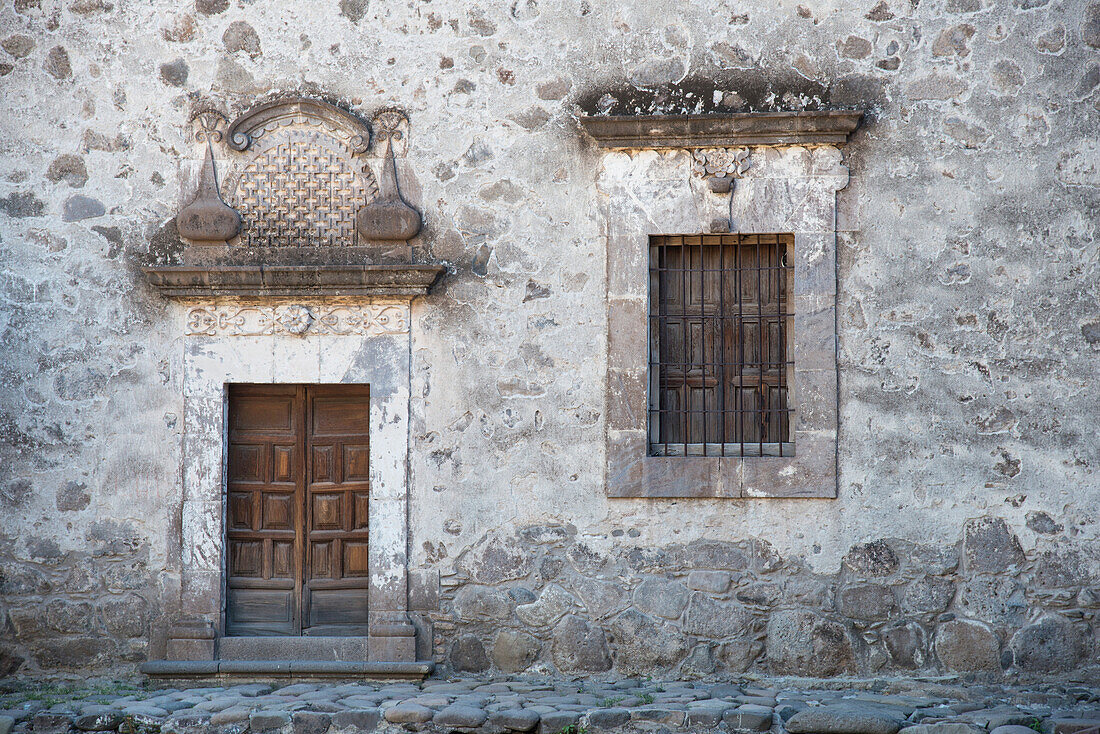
(724, 91)
(542, 601)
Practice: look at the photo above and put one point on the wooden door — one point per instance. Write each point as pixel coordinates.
(297, 509)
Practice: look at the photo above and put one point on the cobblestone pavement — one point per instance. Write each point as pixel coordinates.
(929, 706)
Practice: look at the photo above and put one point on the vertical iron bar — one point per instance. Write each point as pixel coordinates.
(780, 347)
(685, 397)
(760, 331)
(662, 348)
(703, 336)
(721, 351)
(739, 393)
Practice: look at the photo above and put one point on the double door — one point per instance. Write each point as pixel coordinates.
(298, 468)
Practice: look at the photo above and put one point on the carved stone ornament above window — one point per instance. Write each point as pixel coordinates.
(297, 197)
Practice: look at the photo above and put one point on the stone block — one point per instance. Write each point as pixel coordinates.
(627, 265)
(1052, 645)
(514, 652)
(815, 400)
(515, 719)
(643, 645)
(874, 559)
(607, 719)
(706, 617)
(50, 723)
(854, 718)
(1070, 725)
(714, 582)
(747, 720)
(459, 715)
(626, 400)
(966, 645)
(550, 606)
(468, 654)
(554, 723)
(811, 472)
(579, 646)
(408, 713)
(106, 721)
(423, 590)
(906, 644)
(316, 722)
(632, 473)
(482, 603)
(627, 334)
(661, 597)
(800, 642)
(814, 260)
(928, 595)
(269, 721)
(868, 602)
(708, 718)
(947, 727)
(659, 715)
(990, 547)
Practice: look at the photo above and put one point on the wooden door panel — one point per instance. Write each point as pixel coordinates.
(335, 415)
(282, 460)
(278, 511)
(344, 609)
(246, 558)
(335, 589)
(270, 411)
(322, 464)
(260, 612)
(263, 477)
(355, 559)
(356, 463)
(246, 463)
(359, 516)
(328, 511)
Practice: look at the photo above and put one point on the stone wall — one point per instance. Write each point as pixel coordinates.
(542, 601)
(968, 326)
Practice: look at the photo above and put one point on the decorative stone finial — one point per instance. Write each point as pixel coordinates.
(207, 218)
(389, 217)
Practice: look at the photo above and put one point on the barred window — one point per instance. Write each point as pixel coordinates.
(719, 339)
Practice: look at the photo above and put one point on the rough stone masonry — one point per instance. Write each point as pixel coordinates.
(964, 537)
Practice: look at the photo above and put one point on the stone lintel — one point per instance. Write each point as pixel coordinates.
(830, 127)
(403, 280)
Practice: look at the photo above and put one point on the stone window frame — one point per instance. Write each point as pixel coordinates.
(654, 179)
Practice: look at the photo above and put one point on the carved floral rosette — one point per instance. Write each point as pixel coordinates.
(297, 320)
(721, 166)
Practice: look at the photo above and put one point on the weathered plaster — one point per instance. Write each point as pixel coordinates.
(967, 286)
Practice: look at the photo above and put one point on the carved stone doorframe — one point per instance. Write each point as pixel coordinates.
(361, 343)
(297, 268)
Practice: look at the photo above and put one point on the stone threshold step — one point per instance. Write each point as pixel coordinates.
(205, 669)
(335, 649)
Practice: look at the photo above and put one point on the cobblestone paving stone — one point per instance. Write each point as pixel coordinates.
(925, 706)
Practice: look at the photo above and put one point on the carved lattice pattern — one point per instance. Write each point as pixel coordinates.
(300, 193)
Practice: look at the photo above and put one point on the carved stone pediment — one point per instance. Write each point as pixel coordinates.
(301, 188)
